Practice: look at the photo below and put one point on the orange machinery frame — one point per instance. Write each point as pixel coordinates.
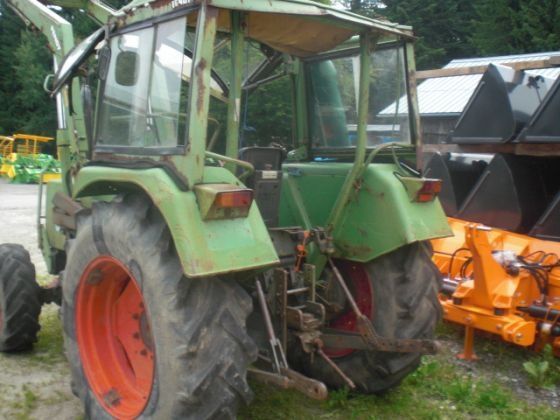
(486, 294)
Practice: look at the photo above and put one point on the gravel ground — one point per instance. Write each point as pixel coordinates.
(33, 385)
(497, 361)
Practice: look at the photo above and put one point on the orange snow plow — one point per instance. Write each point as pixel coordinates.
(500, 282)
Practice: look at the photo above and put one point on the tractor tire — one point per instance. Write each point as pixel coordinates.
(20, 303)
(142, 340)
(399, 292)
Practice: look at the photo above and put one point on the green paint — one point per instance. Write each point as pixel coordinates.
(360, 153)
(51, 239)
(204, 247)
(192, 165)
(378, 216)
(234, 103)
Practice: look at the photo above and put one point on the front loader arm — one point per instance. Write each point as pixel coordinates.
(58, 31)
(71, 133)
(95, 9)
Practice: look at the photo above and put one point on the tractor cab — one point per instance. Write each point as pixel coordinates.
(160, 79)
(262, 92)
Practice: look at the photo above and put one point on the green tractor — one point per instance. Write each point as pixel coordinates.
(191, 256)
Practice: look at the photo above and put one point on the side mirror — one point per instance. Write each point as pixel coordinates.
(103, 59)
(87, 101)
(126, 69)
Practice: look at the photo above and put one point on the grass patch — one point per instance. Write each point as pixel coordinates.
(437, 390)
(49, 349)
(25, 405)
(543, 371)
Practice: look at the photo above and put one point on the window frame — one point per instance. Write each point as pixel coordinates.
(349, 151)
(182, 147)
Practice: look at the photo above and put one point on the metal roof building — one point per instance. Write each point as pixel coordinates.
(442, 99)
(449, 95)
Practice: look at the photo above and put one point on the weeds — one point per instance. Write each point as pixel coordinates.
(437, 390)
(544, 370)
(27, 404)
(338, 398)
(536, 371)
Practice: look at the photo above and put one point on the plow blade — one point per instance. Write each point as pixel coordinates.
(548, 226)
(544, 126)
(490, 284)
(510, 194)
(459, 173)
(500, 107)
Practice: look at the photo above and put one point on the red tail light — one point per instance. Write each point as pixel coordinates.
(238, 199)
(429, 191)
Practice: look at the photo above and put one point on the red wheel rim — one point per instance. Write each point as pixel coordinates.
(114, 338)
(358, 281)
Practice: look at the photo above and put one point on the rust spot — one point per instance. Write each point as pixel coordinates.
(159, 3)
(201, 88)
(95, 277)
(112, 397)
(349, 250)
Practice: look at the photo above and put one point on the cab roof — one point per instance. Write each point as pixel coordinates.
(298, 27)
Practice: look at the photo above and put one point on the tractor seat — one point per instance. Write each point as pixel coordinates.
(263, 158)
(266, 181)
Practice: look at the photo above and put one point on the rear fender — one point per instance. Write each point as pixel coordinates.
(382, 217)
(204, 247)
(379, 217)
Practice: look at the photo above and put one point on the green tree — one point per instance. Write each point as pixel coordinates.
(541, 24)
(268, 114)
(25, 62)
(496, 28)
(516, 26)
(10, 28)
(443, 28)
(35, 110)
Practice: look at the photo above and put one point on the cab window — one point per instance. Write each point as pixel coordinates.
(145, 91)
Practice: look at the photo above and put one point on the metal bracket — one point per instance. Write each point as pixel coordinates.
(374, 340)
(290, 379)
(284, 376)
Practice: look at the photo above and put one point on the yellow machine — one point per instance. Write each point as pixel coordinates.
(15, 149)
(24, 144)
(28, 144)
(500, 282)
(6, 146)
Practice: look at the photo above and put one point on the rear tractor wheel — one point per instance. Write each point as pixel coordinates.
(20, 302)
(143, 341)
(398, 292)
